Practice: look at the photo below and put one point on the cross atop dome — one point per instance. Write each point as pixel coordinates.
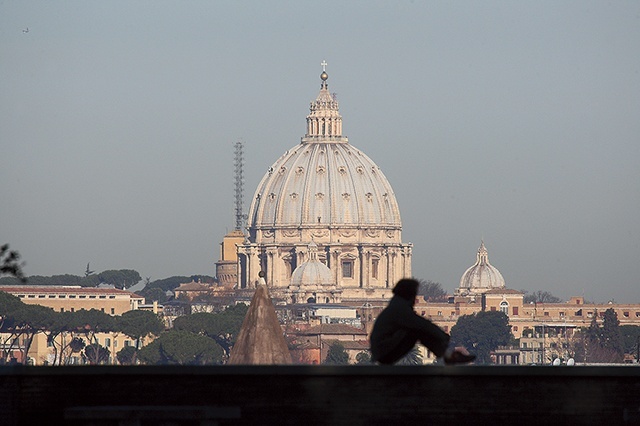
(324, 76)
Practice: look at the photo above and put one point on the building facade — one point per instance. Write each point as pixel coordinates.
(111, 301)
(545, 330)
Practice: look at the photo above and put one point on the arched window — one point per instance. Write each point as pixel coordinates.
(504, 307)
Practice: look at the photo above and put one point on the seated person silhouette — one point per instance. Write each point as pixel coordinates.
(398, 328)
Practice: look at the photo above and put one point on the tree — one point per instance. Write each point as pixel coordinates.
(139, 324)
(127, 355)
(62, 348)
(363, 358)
(482, 333)
(337, 355)
(92, 322)
(10, 263)
(121, 278)
(166, 283)
(21, 322)
(630, 339)
(432, 291)
(611, 336)
(96, 354)
(155, 295)
(601, 343)
(222, 327)
(540, 297)
(181, 347)
(605, 342)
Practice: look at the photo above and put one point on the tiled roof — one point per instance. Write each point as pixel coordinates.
(334, 329)
(192, 286)
(353, 345)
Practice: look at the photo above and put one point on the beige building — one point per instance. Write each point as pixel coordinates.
(70, 299)
(545, 330)
(325, 202)
(192, 290)
(74, 298)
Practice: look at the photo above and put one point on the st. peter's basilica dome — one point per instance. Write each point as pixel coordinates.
(326, 192)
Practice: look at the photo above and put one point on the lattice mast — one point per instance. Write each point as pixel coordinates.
(239, 183)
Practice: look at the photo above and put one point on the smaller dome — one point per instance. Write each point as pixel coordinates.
(482, 275)
(312, 272)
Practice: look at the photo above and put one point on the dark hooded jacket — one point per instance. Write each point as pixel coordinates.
(398, 324)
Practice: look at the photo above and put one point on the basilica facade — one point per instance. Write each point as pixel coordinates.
(324, 224)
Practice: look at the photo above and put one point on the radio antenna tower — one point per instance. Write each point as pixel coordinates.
(239, 183)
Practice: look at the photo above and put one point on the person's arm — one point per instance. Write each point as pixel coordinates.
(429, 334)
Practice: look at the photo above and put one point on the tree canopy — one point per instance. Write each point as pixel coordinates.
(432, 291)
(630, 338)
(482, 333)
(337, 355)
(127, 355)
(602, 343)
(139, 324)
(96, 354)
(19, 320)
(10, 263)
(540, 297)
(222, 327)
(182, 348)
(121, 278)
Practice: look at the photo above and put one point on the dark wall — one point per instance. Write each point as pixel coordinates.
(301, 395)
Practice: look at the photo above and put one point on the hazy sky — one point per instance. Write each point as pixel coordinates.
(516, 122)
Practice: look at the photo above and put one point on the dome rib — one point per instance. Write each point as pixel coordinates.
(298, 194)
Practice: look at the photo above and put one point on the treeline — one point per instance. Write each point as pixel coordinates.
(196, 339)
(157, 290)
(119, 278)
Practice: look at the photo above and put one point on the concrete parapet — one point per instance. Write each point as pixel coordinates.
(319, 395)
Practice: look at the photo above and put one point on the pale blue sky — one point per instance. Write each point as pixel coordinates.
(516, 122)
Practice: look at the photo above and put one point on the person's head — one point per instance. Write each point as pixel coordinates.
(407, 289)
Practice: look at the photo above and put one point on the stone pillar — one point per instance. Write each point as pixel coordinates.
(335, 266)
(272, 269)
(361, 256)
(387, 265)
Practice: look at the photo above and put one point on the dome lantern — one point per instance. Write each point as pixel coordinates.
(324, 122)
